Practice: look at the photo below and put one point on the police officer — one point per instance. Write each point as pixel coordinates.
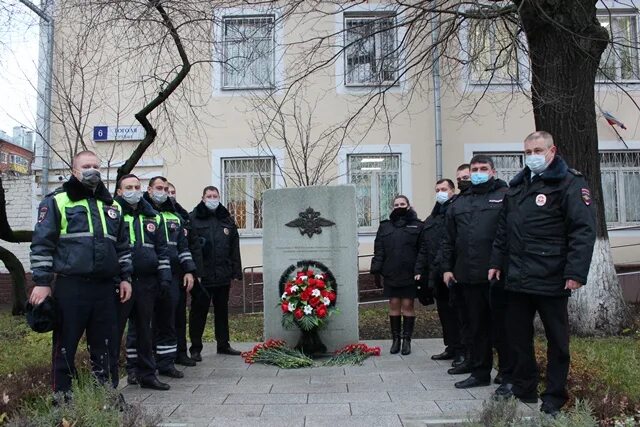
(218, 261)
(471, 223)
(182, 269)
(181, 310)
(394, 257)
(543, 245)
(428, 263)
(80, 237)
(151, 273)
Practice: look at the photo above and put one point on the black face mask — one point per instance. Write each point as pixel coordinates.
(464, 185)
(399, 212)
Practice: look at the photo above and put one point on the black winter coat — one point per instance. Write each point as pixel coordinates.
(470, 229)
(396, 249)
(430, 254)
(547, 231)
(218, 258)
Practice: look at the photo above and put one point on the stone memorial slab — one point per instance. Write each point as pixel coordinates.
(312, 224)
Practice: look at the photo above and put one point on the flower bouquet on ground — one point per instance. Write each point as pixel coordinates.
(352, 354)
(275, 352)
(307, 301)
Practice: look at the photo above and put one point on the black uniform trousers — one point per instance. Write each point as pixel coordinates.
(181, 318)
(448, 315)
(165, 337)
(521, 311)
(499, 318)
(478, 301)
(138, 311)
(201, 298)
(457, 298)
(90, 305)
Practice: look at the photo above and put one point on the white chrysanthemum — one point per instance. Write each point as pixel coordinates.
(315, 292)
(326, 301)
(308, 309)
(319, 276)
(304, 277)
(294, 288)
(291, 307)
(284, 296)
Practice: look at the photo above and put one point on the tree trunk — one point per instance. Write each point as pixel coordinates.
(565, 44)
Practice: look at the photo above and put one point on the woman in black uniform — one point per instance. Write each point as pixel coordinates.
(395, 252)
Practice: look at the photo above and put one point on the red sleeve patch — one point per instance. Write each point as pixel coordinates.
(42, 214)
(586, 196)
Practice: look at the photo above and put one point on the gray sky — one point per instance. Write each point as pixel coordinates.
(18, 69)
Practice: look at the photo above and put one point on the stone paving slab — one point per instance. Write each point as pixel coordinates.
(390, 390)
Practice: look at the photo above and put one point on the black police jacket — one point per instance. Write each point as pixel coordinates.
(80, 233)
(145, 228)
(396, 249)
(547, 231)
(218, 257)
(470, 229)
(177, 237)
(430, 254)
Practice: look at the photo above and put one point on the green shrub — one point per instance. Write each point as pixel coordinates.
(506, 414)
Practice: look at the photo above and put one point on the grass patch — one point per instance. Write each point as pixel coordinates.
(21, 347)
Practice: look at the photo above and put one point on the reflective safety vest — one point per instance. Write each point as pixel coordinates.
(63, 202)
(130, 219)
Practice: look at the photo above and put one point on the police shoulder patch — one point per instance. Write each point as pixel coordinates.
(575, 172)
(586, 196)
(226, 231)
(42, 213)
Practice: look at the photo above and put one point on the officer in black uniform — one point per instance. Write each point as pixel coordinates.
(428, 263)
(182, 269)
(81, 238)
(466, 250)
(181, 311)
(151, 274)
(218, 260)
(543, 247)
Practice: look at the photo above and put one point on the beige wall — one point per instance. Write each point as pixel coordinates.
(185, 153)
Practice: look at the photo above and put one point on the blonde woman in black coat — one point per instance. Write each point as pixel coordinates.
(395, 252)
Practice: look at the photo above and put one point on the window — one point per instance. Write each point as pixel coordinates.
(377, 181)
(507, 165)
(619, 62)
(370, 49)
(620, 173)
(248, 52)
(3, 157)
(492, 52)
(244, 181)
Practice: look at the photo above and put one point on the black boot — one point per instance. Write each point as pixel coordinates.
(395, 322)
(407, 332)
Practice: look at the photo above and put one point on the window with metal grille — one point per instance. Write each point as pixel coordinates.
(507, 164)
(371, 57)
(377, 181)
(492, 52)
(619, 62)
(244, 180)
(620, 173)
(248, 52)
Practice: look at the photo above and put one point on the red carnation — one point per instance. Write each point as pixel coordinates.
(305, 295)
(320, 284)
(285, 307)
(331, 296)
(298, 280)
(314, 301)
(322, 311)
(311, 281)
(310, 273)
(298, 313)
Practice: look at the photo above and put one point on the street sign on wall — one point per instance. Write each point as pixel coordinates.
(118, 133)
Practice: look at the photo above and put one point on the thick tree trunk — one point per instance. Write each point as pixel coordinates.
(565, 44)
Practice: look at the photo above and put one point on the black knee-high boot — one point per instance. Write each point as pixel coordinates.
(395, 322)
(407, 331)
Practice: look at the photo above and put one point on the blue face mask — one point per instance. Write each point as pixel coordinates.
(536, 162)
(479, 178)
(442, 197)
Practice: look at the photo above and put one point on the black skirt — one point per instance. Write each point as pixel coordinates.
(408, 291)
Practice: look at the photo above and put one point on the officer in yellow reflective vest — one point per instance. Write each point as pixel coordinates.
(80, 237)
(151, 277)
(182, 268)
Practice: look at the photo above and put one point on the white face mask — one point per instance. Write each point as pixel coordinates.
(159, 197)
(442, 196)
(132, 196)
(212, 204)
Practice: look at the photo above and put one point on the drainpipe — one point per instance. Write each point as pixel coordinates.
(435, 73)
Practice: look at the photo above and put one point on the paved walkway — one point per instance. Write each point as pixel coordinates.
(389, 390)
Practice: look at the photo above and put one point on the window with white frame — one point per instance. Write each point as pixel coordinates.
(492, 52)
(377, 181)
(248, 52)
(619, 62)
(620, 173)
(244, 181)
(370, 49)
